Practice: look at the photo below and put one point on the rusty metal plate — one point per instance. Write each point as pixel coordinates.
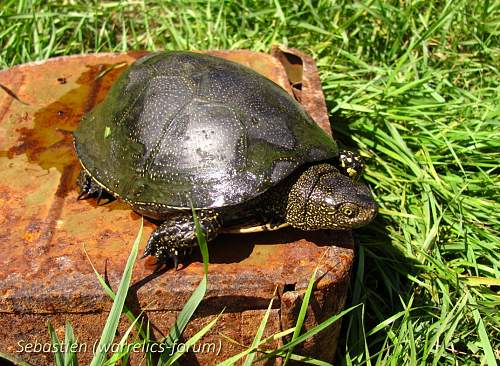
(45, 231)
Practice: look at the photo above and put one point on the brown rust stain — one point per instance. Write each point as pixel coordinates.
(49, 143)
(50, 222)
(137, 54)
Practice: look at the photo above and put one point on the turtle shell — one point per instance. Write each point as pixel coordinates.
(182, 129)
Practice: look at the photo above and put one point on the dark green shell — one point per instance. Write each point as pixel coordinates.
(182, 128)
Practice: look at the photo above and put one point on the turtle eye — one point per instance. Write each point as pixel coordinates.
(349, 210)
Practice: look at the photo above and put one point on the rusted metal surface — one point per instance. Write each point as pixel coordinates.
(45, 231)
(304, 82)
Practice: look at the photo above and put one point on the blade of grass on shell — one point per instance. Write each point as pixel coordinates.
(193, 302)
(56, 345)
(302, 312)
(260, 332)
(109, 331)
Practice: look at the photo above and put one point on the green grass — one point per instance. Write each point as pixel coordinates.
(413, 85)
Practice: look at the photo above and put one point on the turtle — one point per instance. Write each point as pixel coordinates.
(182, 132)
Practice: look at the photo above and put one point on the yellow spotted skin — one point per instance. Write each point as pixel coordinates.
(351, 164)
(323, 198)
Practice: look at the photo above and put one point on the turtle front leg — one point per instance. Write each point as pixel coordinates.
(176, 237)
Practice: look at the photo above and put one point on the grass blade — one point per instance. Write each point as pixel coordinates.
(15, 360)
(70, 346)
(121, 345)
(192, 341)
(310, 332)
(194, 301)
(112, 295)
(108, 334)
(260, 332)
(56, 344)
(303, 359)
(302, 312)
(233, 359)
(483, 335)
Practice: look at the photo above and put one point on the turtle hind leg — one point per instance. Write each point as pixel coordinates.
(89, 188)
(176, 237)
(351, 164)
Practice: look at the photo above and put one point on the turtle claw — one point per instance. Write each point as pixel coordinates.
(109, 198)
(83, 195)
(163, 254)
(99, 196)
(90, 188)
(150, 248)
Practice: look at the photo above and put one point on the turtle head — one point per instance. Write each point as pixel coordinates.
(323, 198)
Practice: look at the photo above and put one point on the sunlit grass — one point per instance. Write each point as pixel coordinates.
(413, 86)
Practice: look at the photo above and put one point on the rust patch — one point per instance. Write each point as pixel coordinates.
(50, 222)
(49, 143)
(304, 79)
